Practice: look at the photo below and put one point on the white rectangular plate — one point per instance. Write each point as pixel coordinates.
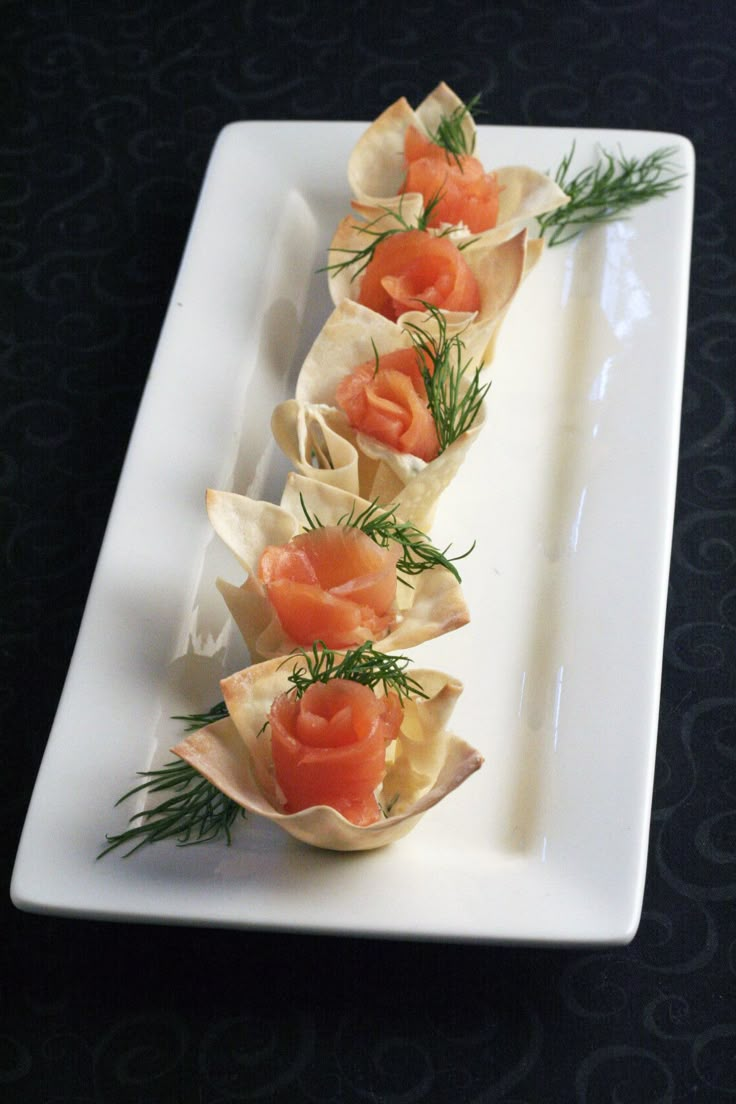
(569, 495)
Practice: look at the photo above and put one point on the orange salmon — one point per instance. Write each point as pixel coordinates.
(413, 267)
(332, 584)
(389, 402)
(329, 747)
(466, 193)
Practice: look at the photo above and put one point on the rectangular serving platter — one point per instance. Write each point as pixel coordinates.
(569, 496)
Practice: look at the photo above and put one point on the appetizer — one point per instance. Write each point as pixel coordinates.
(429, 154)
(344, 752)
(397, 268)
(327, 566)
(385, 410)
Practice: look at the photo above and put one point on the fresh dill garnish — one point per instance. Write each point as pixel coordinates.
(387, 809)
(363, 257)
(450, 134)
(200, 720)
(453, 400)
(605, 191)
(381, 524)
(197, 811)
(376, 358)
(363, 664)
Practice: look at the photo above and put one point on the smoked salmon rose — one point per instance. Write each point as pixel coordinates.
(332, 584)
(454, 186)
(413, 267)
(387, 399)
(329, 747)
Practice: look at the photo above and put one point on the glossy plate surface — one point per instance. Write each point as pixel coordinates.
(569, 495)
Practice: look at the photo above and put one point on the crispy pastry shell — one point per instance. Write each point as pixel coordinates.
(376, 168)
(427, 762)
(498, 269)
(318, 440)
(432, 606)
(365, 466)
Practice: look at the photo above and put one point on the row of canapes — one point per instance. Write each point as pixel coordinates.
(341, 473)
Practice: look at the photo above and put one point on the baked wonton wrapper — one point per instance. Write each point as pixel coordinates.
(320, 443)
(364, 466)
(424, 763)
(499, 270)
(431, 606)
(376, 168)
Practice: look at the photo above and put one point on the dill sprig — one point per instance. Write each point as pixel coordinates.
(603, 192)
(453, 402)
(450, 134)
(381, 524)
(363, 664)
(197, 811)
(363, 257)
(200, 720)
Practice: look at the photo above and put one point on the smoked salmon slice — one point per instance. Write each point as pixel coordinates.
(387, 399)
(454, 184)
(413, 267)
(331, 584)
(329, 746)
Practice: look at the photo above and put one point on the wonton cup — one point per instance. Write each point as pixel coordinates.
(309, 431)
(424, 763)
(377, 168)
(319, 441)
(499, 270)
(431, 606)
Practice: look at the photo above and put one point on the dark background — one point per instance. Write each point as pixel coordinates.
(109, 114)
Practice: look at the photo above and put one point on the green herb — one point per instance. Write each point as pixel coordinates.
(363, 664)
(450, 134)
(200, 720)
(381, 524)
(363, 257)
(453, 405)
(606, 190)
(387, 809)
(197, 811)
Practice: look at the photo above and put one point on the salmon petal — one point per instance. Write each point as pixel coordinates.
(414, 267)
(457, 196)
(329, 748)
(331, 584)
(387, 400)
